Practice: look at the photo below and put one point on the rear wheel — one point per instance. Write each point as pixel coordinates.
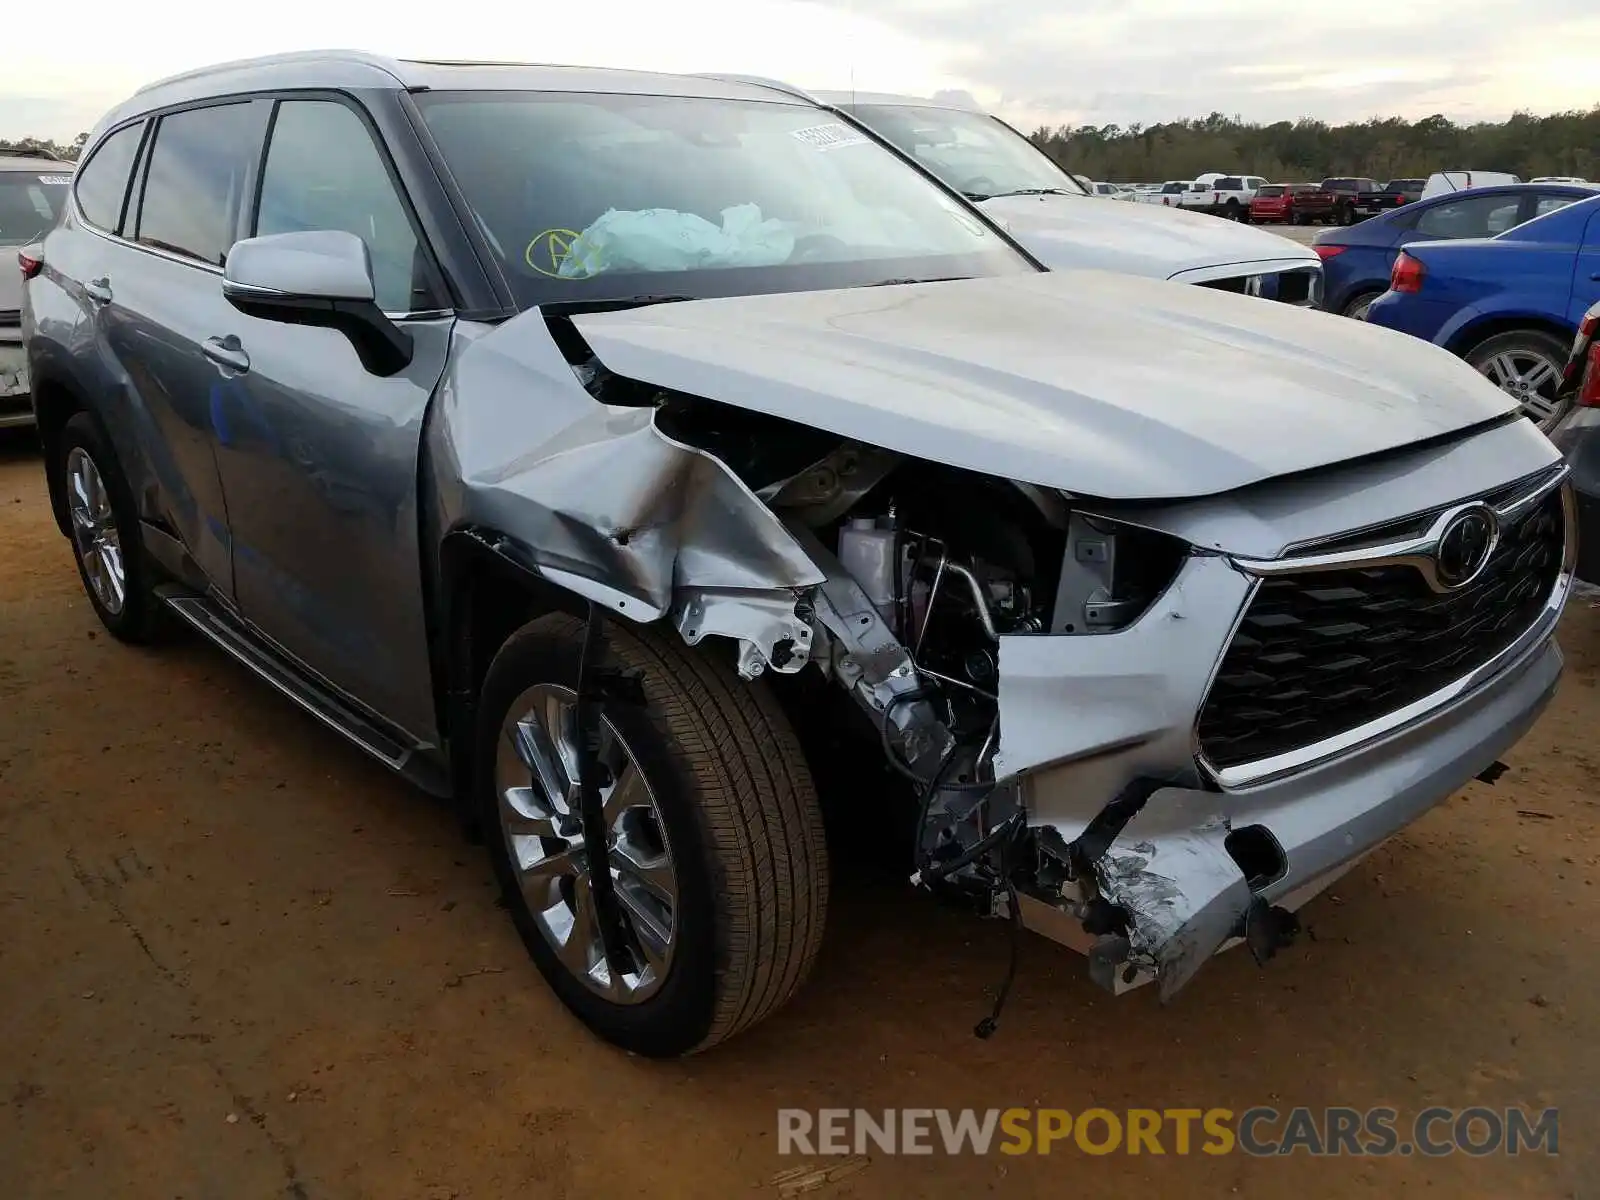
(1347, 214)
(104, 525)
(1356, 307)
(1526, 364)
(716, 879)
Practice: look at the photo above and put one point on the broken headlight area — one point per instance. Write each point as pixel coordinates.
(926, 568)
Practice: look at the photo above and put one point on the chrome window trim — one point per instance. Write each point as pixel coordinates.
(1267, 770)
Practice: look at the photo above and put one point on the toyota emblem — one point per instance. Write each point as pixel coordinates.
(1464, 546)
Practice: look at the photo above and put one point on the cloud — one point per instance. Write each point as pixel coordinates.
(1121, 61)
(1035, 61)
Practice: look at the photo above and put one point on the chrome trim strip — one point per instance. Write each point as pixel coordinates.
(1533, 638)
(1413, 552)
(184, 260)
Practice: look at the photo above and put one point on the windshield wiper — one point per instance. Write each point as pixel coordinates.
(903, 282)
(607, 302)
(1052, 191)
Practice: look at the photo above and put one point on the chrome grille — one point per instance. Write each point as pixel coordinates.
(1323, 652)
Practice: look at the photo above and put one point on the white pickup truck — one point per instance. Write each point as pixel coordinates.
(1174, 193)
(1230, 195)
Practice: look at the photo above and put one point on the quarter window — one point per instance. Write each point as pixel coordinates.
(323, 171)
(102, 182)
(196, 179)
(1550, 203)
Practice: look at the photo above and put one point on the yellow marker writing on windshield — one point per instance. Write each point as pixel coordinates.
(549, 250)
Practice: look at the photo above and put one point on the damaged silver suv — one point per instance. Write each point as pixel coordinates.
(562, 437)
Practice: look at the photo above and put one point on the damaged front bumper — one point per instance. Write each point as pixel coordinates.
(1193, 870)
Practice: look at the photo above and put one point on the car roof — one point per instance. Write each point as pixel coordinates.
(35, 166)
(852, 98)
(356, 69)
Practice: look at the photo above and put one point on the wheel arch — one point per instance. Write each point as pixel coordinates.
(486, 594)
(1480, 329)
(56, 397)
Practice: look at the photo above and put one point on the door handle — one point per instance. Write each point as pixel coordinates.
(1595, 277)
(226, 352)
(99, 290)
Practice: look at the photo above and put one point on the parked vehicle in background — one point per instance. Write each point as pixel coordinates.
(1011, 179)
(1441, 182)
(1231, 195)
(1110, 191)
(1345, 189)
(572, 526)
(1510, 305)
(33, 188)
(1291, 204)
(1169, 194)
(1391, 195)
(1557, 179)
(1578, 438)
(1357, 261)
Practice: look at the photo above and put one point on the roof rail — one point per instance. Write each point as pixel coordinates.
(776, 85)
(293, 56)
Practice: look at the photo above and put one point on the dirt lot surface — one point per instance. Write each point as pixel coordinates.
(237, 960)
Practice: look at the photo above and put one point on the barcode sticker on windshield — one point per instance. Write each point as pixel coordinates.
(829, 137)
(63, 180)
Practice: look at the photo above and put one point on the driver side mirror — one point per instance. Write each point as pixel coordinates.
(318, 277)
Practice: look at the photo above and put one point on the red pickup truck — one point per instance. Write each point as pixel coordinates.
(1291, 203)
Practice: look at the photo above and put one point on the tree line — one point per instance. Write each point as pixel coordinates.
(68, 151)
(1566, 143)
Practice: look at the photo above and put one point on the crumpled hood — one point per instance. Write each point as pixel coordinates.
(1102, 384)
(1075, 232)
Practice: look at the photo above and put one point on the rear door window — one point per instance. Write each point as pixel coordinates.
(194, 186)
(1470, 217)
(102, 181)
(323, 171)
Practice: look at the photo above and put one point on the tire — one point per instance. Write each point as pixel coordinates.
(104, 525)
(1347, 215)
(1356, 307)
(732, 812)
(1536, 359)
(1231, 210)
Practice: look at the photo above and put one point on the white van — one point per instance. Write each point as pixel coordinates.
(1441, 182)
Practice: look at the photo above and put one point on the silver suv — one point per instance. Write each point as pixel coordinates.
(33, 190)
(567, 439)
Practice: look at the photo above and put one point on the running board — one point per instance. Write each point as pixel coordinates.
(227, 632)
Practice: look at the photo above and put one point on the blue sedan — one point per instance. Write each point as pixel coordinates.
(1510, 305)
(1356, 260)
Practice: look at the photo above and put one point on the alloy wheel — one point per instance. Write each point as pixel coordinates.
(1532, 378)
(94, 531)
(536, 785)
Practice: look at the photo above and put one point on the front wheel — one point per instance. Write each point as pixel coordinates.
(1526, 364)
(714, 890)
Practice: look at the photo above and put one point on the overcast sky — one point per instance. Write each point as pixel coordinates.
(1034, 61)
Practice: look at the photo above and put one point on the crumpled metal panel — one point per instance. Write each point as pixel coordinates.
(594, 496)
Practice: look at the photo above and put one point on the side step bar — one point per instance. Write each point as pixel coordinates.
(389, 747)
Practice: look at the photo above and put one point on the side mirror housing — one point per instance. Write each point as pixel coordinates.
(318, 277)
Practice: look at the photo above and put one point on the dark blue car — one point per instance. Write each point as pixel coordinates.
(1356, 261)
(1510, 305)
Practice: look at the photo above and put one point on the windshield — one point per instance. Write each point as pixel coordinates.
(30, 202)
(1269, 190)
(971, 151)
(599, 198)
